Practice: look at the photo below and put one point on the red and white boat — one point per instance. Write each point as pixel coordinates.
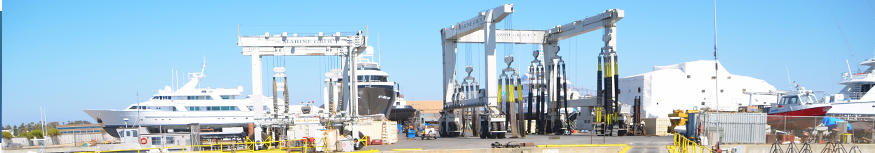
(791, 105)
(802, 102)
(797, 110)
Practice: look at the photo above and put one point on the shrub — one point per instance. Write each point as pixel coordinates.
(7, 135)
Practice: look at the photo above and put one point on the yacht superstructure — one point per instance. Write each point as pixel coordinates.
(209, 107)
(856, 98)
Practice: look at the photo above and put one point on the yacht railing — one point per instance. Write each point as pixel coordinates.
(856, 95)
(857, 76)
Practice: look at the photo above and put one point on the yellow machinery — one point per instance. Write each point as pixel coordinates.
(679, 118)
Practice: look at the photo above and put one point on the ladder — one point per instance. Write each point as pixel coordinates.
(384, 134)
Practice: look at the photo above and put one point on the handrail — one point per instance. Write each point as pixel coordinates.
(682, 144)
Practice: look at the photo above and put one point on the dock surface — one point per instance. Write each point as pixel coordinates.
(638, 144)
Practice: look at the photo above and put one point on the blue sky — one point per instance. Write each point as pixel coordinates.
(68, 56)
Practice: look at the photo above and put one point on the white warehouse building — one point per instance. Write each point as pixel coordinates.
(690, 85)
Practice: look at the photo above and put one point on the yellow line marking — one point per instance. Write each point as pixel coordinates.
(625, 146)
(670, 149)
(366, 151)
(406, 149)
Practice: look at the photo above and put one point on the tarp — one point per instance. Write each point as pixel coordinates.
(690, 86)
(831, 122)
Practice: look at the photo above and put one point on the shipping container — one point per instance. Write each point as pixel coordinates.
(735, 128)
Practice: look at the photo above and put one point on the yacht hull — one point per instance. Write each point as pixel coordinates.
(797, 119)
(402, 114)
(857, 109)
(375, 101)
(813, 111)
(113, 119)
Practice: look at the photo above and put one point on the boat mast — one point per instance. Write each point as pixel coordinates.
(716, 63)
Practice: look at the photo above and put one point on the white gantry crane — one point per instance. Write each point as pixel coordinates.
(346, 46)
(481, 29)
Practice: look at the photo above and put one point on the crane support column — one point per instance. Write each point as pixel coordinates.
(491, 67)
(256, 76)
(257, 94)
(551, 52)
(449, 54)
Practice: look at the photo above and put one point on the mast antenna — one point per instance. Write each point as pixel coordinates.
(716, 62)
(204, 66)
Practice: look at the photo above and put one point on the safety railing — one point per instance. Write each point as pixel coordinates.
(682, 144)
(299, 145)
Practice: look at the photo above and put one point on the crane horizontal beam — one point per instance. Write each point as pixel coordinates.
(283, 45)
(295, 51)
(609, 17)
(507, 36)
(471, 25)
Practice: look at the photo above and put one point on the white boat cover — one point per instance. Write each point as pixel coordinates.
(690, 85)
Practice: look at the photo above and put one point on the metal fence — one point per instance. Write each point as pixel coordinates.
(735, 128)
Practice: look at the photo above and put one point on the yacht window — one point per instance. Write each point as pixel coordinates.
(226, 96)
(368, 68)
(379, 78)
(379, 86)
(156, 140)
(135, 134)
(121, 133)
(213, 108)
(199, 97)
(133, 107)
(127, 133)
(169, 140)
(372, 78)
(161, 97)
(791, 100)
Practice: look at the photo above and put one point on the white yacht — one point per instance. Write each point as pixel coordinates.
(855, 99)
(168, 109)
